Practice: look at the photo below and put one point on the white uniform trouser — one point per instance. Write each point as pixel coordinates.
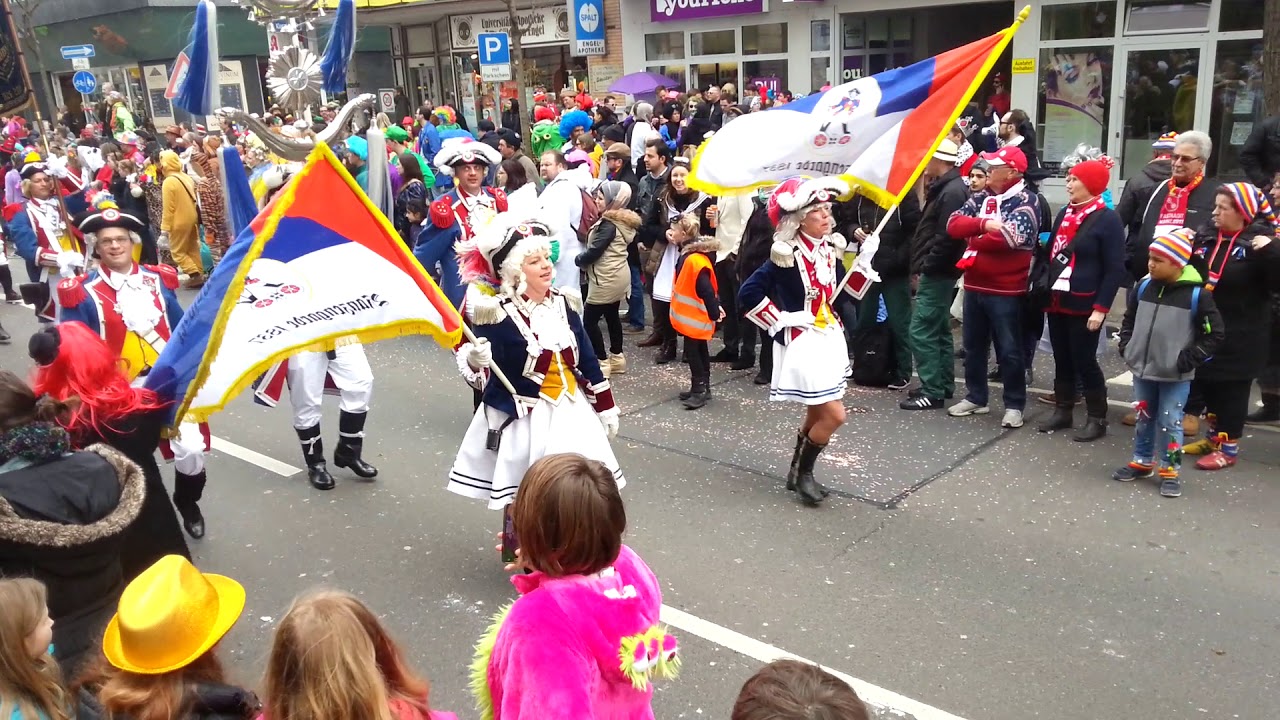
(350, 371)
(187, 447)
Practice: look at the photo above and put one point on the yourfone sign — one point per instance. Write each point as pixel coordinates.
(671, 10)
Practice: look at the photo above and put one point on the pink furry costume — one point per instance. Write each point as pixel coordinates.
(576, 647)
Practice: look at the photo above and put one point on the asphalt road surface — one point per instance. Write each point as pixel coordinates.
(958, 570)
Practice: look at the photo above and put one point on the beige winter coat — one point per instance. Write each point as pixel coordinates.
(604, 262)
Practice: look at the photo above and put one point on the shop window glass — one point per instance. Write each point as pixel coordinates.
(770, 73)
(443, 41)
(900, 31)
(1078, 21)
(819, 73)
(820, 36)
(704, 75)
(1076, 87)
(715, 42)
(764, 39)
(664, 46)
(1240, 15)
(854, 35)
(675, 72)
(1146, 17)
(1237, 105)
(877, 31)
(421, 39)
(1159, 96)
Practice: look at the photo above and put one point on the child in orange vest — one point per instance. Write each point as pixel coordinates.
(695, 310)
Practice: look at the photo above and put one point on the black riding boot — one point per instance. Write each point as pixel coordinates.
(350, 443)
(667, 352)
(746, 351)
(187, 491)
(765, 376)
(1269, 412)
(808, 488)
(313, 453)
(1095, 402)
(701, 393)
(1063, 417)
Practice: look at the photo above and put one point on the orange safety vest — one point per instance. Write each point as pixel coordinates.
(688, 313)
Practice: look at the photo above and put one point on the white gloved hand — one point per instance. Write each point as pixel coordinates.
(481, 354)
(68, 261)
(803, 318)
(162, 242)
(609, 419)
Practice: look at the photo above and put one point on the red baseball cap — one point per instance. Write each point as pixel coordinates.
(1007, 156)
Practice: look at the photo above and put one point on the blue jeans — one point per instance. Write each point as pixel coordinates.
(998, 317)
(1160, 422)
(635, 303)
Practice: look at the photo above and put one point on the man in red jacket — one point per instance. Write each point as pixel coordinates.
(1001, 228)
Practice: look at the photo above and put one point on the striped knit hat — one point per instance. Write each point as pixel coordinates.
(1251, 203)
(1174, 246)
(1166, 141)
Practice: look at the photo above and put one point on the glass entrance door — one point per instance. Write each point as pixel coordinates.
(1161, 95)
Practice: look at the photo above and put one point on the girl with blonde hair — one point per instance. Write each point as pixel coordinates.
(30, 685)
(331, 659)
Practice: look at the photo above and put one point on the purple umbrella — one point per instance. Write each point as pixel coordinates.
(642, 83)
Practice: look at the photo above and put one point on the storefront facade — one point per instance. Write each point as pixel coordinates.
(1115, 74)
(797, 46)
(443, 67)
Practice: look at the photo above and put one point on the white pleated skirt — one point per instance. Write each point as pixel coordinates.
(569, 427)
(813, 369)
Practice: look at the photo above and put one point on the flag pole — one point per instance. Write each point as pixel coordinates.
(879, 228)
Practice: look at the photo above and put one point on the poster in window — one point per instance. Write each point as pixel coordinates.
(1075, 102)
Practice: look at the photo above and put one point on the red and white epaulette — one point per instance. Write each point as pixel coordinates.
(71, 292)
(168, 275)
(499, 199)
(442, 213)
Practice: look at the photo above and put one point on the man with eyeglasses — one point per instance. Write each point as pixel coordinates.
(1184, 200)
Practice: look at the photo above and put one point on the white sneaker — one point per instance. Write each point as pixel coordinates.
(965, 408)
(1012, 419)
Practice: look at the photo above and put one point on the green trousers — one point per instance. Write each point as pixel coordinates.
(897, 300)
(931, 336)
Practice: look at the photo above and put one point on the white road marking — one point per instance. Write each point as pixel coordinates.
(1123, 380)
(704, 629)
(765, 653)
(254, 458)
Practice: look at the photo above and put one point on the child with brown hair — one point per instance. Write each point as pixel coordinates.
(331, 659)
(795, 690)
(695, 310)
(586, 601)
(665, 256)
(30, 682)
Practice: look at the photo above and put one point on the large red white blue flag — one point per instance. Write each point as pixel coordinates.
(877, 132)
(319, 267)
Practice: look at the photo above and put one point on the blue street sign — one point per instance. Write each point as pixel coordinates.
(84, 82)
(494, 48)
(588, 27)
(77, 51)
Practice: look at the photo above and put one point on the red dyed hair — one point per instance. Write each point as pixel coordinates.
(86, 368)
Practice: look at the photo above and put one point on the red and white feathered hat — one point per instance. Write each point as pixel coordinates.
(464, 150)
(794, 196)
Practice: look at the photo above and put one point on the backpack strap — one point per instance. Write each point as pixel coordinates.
(1142, 287)
(1195, 301)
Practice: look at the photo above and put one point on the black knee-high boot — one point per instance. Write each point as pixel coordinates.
(350, 445)
(808, 488)
(313, 452)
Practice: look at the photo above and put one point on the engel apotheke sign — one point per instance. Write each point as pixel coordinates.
(540, 26)
(669, 10)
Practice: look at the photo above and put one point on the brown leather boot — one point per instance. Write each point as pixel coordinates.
(654, 340)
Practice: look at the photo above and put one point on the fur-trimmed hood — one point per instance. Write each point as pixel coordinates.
(52, 534)
(622, 216)
(703, 244)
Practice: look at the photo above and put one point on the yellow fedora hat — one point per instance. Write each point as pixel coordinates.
(169, 616)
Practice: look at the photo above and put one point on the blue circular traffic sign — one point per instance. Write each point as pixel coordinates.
(84, 82)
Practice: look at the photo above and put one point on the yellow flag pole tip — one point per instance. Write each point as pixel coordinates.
(1026, 13)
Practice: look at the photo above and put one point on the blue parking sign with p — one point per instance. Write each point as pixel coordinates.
(493, 48)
